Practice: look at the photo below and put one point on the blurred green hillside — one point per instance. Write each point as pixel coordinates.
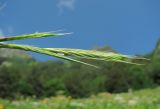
(143, 99)
(22, 75)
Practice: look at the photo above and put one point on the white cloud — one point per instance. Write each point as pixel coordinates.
(65, 4)
(2, 6)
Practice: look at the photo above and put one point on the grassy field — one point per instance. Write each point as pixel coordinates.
(143, 99)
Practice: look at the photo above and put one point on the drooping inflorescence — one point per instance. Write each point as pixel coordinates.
(67, 53)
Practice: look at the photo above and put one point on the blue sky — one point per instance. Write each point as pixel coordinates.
(128, 26)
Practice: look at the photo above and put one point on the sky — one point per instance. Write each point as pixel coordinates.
(129, 26)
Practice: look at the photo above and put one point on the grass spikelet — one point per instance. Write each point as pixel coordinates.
(93, 54)
(42, 51)
(34, 35)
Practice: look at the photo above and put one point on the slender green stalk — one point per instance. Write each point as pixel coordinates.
(34, 35)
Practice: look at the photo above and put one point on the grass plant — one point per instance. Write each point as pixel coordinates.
(67, 53)
(143, 99)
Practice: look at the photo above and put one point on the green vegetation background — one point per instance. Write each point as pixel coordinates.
(22, 75)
